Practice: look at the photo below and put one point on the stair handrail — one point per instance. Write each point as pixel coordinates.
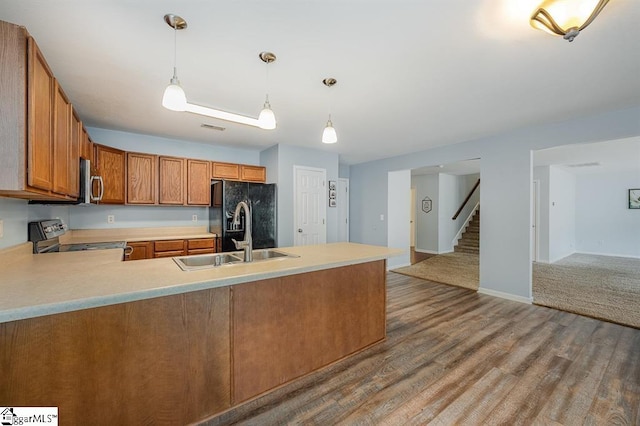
(466, 200)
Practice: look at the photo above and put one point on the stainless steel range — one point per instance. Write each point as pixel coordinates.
(44, 234)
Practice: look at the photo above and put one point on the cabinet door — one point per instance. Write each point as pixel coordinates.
(253, 173)
(110, 163)
(86, 150)
(172, 178)
(225, 171)
(40, 121)
(141, 178)
(139, 250)
(61, 141)
(198, 183)
(74, 155)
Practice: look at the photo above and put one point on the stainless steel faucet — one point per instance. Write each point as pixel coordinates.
(247, 243)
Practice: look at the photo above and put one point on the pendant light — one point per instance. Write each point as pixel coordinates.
(329, 134)
(267, 119)
(566, 17)
(174, 97)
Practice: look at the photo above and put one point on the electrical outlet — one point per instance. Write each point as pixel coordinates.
(381, 217)
(111, 218)
(194, 218)
(1, 228)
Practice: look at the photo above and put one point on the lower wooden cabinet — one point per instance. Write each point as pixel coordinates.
(138, 250)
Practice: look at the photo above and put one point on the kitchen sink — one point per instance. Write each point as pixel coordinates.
(265, 254)
(205, 261)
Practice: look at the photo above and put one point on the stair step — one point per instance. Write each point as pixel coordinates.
(466, 250)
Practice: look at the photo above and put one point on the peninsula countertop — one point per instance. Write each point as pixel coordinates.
(51, 283)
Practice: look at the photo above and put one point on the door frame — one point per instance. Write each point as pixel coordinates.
(343, 206)
(323, 202)
(535, 220)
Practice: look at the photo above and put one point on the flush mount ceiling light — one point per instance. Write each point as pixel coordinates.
(566, 17)
(175, 99)
(329, 134)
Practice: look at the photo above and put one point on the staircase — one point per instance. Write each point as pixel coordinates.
(470, 240)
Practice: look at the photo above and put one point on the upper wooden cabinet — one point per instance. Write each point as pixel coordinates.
(111, 166)
(86, 147)
(253, 173)
(40, 119)
(142, 178)
(37, 153)
(198, 183)
(172, 178)
(225, 171)
(74, 154)
(62, 142)
(243, 172)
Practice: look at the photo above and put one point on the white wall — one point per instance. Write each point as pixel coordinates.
(399, 228)
(505, 266)
(604, 223)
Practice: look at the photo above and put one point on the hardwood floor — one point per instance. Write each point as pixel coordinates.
(417, 256)
(453, 356)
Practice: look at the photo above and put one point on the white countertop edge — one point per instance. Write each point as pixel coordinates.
(8, 315)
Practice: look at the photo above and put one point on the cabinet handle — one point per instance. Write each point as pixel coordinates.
(129, 252)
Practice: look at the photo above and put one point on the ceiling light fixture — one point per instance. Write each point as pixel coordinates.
(566, 17)
(175, 98)
(329, 133)
(267, 118)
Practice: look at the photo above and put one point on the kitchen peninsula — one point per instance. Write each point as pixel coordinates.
(144, 342)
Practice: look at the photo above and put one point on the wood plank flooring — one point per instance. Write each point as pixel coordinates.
(453, 356)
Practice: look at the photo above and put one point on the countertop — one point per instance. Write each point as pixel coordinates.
(76, 236)
(36, 285)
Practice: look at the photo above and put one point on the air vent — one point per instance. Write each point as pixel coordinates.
(212, 127)
(592, 164)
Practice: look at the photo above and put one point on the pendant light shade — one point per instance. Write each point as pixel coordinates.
(329, 134)
(174, 97)
(267, 119)
(566, 17)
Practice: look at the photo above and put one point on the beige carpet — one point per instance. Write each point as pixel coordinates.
(604, 287)
(459, 269)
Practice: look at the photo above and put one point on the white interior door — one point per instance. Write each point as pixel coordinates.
(310, 206)
(342, 201)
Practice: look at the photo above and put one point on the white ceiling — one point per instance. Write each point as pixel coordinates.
(411, 74)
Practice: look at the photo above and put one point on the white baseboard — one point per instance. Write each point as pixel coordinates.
(630, 256)
(433, 251)
(508, 296)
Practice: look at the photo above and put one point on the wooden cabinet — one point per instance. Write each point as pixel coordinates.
(172, 177)
(169, 248)
(198, 183)
(141, 178)
(225, 171)
(40, 123)
(201, 246)
(74, 155)
(111, 165)
(253, 173)
(243, 172)
(61, 141)
(39, 149)
(86, 147)
(138, 250)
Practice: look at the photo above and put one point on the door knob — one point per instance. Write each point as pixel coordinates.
(300, 230)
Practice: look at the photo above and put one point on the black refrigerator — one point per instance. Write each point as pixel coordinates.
(261, 197)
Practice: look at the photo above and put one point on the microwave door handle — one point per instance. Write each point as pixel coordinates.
(101, 192)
